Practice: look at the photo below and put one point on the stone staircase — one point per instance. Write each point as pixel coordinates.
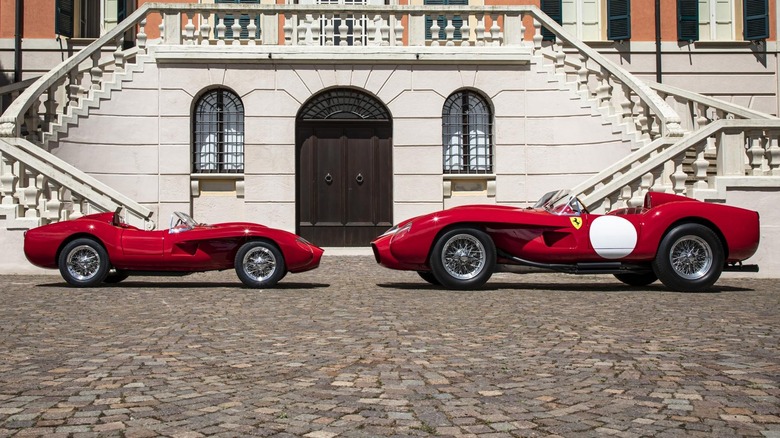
(80, 107)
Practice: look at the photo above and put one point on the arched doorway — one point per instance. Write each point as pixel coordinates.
(344, 168)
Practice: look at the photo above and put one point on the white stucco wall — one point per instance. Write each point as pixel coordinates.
(139, 140)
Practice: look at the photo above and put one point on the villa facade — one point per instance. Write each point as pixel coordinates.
(335, 120)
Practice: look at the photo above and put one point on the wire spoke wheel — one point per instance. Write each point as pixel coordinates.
(463, 256)
(690, 258)
(259, 263)
(83, 262)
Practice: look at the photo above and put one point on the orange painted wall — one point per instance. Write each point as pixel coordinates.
(38, 18)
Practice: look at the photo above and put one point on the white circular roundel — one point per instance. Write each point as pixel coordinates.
(612, 237)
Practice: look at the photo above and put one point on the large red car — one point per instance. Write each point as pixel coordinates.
(101, 248)
(683, 242)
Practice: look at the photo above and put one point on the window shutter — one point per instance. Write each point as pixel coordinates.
(756, 25)
(688, 20)
(243, 20)
(429, 19)
(618, 20)
(553, 8)
(63, 22)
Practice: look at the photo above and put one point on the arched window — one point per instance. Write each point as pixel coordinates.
(218, 133)
(467, 134)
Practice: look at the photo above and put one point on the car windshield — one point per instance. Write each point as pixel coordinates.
(560, 202)
(181, 222)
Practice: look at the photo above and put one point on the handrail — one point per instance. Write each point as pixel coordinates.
(10, 88)
(69, 177)
(12, 117)
(623, 163)
(666, 154)
(711, 102)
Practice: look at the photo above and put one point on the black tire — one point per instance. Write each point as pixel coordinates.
(463, 258)
(116, 276)
(690, 258)
(83, 263)
(638, 280)
(259, 264)
(429, 277)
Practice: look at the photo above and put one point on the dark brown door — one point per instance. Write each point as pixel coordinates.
(345, 179)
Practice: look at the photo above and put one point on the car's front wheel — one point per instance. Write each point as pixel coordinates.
(83, 263)
(690, 258)
(463, 258)
(259, 264)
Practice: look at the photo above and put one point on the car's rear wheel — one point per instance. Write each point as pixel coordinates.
(690, 258)
(429, 277)
(83, 263)
(634, 279)
(259, 264)
(463, 258)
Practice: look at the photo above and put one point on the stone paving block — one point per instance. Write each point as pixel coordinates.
(352, 349)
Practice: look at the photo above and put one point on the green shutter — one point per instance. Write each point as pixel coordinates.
(553, 8)
(121, 10)
(243, 20)
(688, 20)
(756, 24)
(618, 20)
(63, 18)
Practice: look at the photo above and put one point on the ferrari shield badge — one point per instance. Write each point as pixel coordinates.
(577, 222)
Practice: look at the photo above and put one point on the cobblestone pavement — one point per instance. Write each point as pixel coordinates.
(353, 349)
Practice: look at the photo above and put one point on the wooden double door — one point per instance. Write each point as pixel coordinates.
(345, 181)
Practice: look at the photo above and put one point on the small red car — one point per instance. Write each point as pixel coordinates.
(101, 248)
(683, 242)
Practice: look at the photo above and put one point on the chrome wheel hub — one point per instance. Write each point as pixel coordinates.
(691, 257)
(259, 263)
(83, 262)
(463, 256)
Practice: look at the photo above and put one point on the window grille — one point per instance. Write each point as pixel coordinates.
(344, 104)
(218, 132)
(467, 134)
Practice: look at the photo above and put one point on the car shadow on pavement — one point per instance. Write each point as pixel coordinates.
(560, 287)
(151, 284)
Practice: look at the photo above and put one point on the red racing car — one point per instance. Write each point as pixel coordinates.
(101, 248)
(683, 242)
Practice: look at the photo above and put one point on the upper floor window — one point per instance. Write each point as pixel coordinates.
(717, 20)
(218, 133)
(89, 18)
(467, 128)
(582, 18)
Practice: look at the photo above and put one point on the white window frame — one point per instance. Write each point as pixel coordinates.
(577, 27)
(708, 30)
